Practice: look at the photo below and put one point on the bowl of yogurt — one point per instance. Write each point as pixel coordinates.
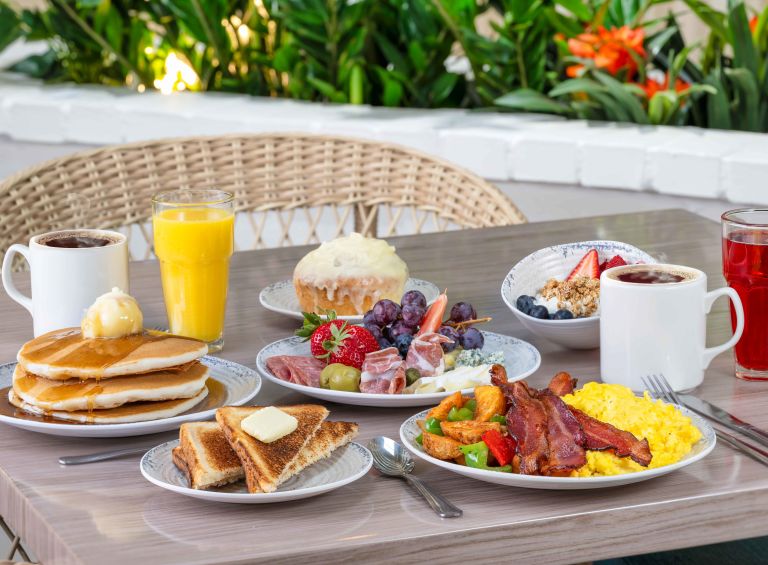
(564, 312)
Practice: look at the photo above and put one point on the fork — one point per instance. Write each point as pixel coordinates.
(660, 388)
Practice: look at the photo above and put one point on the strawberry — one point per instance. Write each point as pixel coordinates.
(589, 266)
(615, 261)
(336, 341)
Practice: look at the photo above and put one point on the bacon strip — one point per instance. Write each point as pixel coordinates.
(565, 437)
(562, 384)
(601, 435)
(527, 423)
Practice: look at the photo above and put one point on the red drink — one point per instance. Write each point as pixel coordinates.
(745, 267)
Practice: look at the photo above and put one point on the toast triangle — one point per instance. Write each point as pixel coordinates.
(267, 464)
(207, 455)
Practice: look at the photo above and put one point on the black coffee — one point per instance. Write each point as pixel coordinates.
(76, 241)
(651, 276)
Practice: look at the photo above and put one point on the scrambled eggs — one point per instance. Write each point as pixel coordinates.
(670, 434)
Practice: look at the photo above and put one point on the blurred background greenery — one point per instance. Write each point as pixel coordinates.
(619, 60)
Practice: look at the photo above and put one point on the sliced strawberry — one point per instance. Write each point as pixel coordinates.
(602, 266)
(433, 318)
(589, 266)
(616, 261)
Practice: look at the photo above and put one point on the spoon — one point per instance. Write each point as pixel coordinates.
(100, 456)
(391, 459)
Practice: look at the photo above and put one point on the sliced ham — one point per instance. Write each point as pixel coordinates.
(297, 369)
(383, 372)
(426, 354)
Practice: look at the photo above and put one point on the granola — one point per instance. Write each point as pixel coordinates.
(580, 295)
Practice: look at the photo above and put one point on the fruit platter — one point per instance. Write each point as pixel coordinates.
(403, 354)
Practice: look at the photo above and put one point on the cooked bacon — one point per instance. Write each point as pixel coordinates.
(383, 372)
(562, 384)
(298, 369)
(426, 354)
(527, 423)
(564, 437)
(601, 435)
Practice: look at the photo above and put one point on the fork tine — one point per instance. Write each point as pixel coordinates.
(659, 388)
(648, 386)
(669, 389)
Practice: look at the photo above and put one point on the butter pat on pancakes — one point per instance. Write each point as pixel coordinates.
(349, 275)
(114, 314)
(269, 424)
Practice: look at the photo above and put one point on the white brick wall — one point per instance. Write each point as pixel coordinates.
(521, 147)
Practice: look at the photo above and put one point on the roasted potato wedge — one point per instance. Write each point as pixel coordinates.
(441, 410)
(441, 447)
(490, 401)
(470, 431)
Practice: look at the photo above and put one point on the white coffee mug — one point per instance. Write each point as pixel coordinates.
(659, 328)
(66, 280)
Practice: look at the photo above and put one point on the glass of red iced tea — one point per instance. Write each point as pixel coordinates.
(745, 266)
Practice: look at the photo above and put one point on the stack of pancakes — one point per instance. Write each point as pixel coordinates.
(135, 378)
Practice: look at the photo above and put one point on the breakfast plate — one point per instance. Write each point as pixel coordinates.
(228, 384)
(280, 297)
(345, 465)
(410, 430)
(521, 360)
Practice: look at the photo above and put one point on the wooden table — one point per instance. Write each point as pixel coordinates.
(107, 513)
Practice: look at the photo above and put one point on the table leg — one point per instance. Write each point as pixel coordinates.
(16, 546)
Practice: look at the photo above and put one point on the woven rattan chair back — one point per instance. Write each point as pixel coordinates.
(290, 190)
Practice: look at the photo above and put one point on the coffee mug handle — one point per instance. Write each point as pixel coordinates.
(712, 352)
(10, 288)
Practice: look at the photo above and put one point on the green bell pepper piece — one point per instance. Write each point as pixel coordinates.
(460, 414)
(500, 418)
(476, 456)
(432, 425)
(471, 405)
(420, 439)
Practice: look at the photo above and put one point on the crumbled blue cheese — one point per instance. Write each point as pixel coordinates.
(475, 357)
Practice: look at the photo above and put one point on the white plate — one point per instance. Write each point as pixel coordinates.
(240, 384)
(410, 429)
(280, 297)
(345, 465)
(557, 261)
(520, 359)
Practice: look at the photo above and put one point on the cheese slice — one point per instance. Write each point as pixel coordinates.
(269, 424)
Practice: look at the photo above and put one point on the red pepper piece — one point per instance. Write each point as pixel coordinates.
(499, 447)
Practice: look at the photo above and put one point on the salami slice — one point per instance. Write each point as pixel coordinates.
(297, 369)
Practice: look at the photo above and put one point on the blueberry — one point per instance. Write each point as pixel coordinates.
(540, 312)
(525, 303)
(384, 342)
(472, 338)
(563, 314)
(452, 334)
(403, 343)
(397, 329)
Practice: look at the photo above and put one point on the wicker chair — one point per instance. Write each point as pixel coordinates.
(290, 189)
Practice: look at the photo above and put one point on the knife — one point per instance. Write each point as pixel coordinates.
(716, 414)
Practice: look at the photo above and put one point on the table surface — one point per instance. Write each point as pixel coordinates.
(107, 512)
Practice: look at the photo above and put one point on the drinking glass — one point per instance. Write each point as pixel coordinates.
(745, 267)
(194, 239)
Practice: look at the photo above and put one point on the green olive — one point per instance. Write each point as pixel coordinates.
(340, 377)
(411, 376)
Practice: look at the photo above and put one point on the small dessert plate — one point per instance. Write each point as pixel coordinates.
(345, 465)
(280, 297)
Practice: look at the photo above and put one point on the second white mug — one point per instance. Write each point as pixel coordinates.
(653, 321)
(67, 279)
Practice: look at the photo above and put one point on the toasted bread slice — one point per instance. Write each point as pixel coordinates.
(178, 459)
(209, 459)
(267, 464)
(326, 440)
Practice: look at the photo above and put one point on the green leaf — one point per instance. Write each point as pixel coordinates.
(531, 101)
(443, 87)
(10, 29)
(577, 85)
(718, 110)
(577, 8)
(627, 100)
(744, 53)
(712, 18)
(327, 90)
(417, 55)
(749, 98)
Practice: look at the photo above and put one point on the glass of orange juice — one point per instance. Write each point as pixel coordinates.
(194, 239)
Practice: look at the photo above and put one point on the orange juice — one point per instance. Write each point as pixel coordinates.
(194, 245)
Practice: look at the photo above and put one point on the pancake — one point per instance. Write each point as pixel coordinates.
(92, 394)
(127, 413)
(66, 354)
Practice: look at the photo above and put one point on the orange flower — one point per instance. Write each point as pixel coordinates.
(652, 86)
(753, 24)
(611, 49)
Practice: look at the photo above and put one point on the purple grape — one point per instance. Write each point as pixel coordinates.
(414, 297)
(368, 319)
(398, 328)
(385, 312)
(472, 339)
(452, 334)
(412, 315)
(374, 329)
(463, 311)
